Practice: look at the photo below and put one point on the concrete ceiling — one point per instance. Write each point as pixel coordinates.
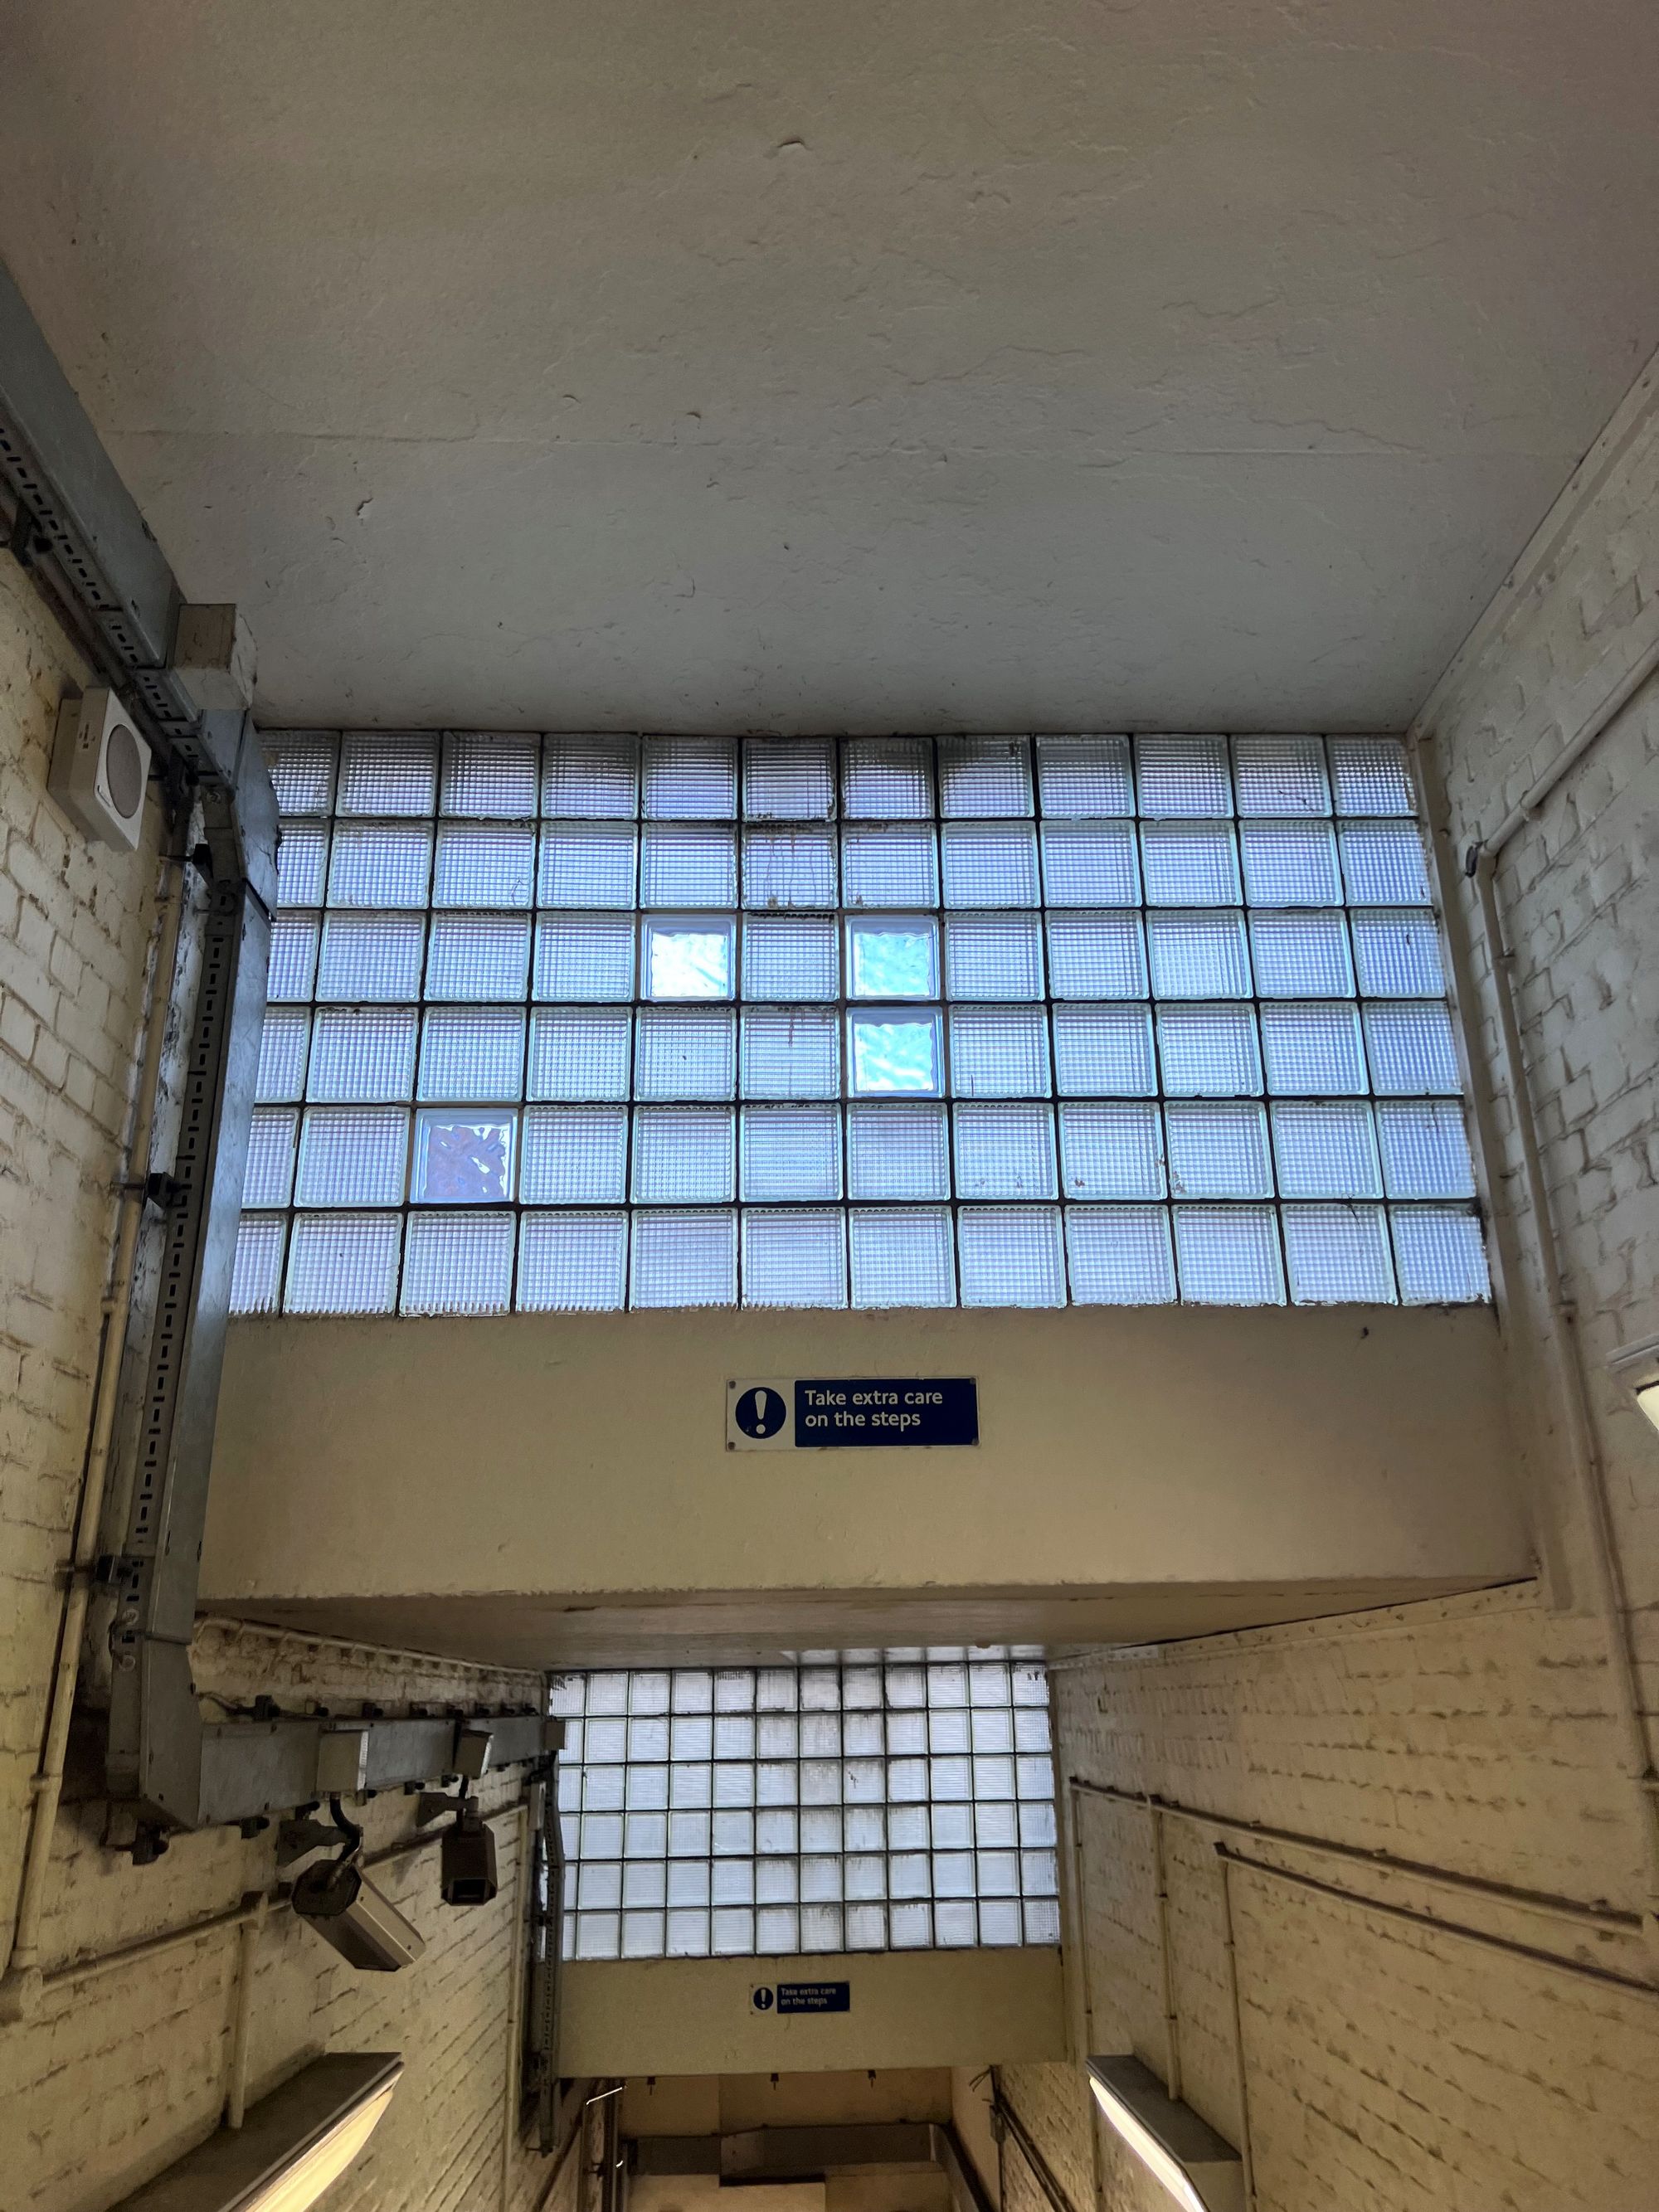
(965, 364)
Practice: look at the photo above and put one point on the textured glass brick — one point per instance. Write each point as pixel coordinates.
(1183, 775)
(1397, 954)
(1290, 864)
(1228, 1256)
(1097, 956)
(1090, 863)
(887, 779)
(591, 777)
(301, 765)
(463, 1159)
(1209, 1052)
(362, 1055)
(1005, 1151)
(1312, 1051)
(1372, 776)
(372, 957)
(791, 1153)
(794, 1258)
(1280, 776)
(889, 866)
(684, 1155)
(1104, 1051)
(788, 868)
(270, 1145)
(485, 864)
(1120, 1255)
(1200, 954)
(293, 957)
(790, 1052)
(387, 772)
(901, 1256)
(488, 776)
(587, 864)
(790, 960)
(342, 1263)
(1217, 1149)
(352, 1156)
(573, 1262)
(478, 956)
(458, 1263)
(1325, 1150)
(1190, 863)
(302, 864)
(1301, 955)
(1412, 1048)
(381, 866)
(684, 1260)
(580, 1053)
(989, 864)
(1338, 1255)
(993, 958)
(256, 1283)
(999, 1052)
(575, 1156)
(472, 1053)
(284, 1046)
(1010, 1255)
(685, 865)
(788, 778)
(1441, 1255)
(1084, 775)
(1112, 1149)
(689, 779)
(894, 1051)
(685, 1053)
(1383, 864)
(1425, 1150)
(899, 1150)
(984, 776)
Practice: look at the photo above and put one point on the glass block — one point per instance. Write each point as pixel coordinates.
(892, 956)
(887, 779)
(592, 777)
(483, 864)
(1397, 953)
(1301, 955)
(1372, 776)
(684, 865)
(579, 1053)
(458, 1263)
(587, 864)
(343, 1263)
(575, 1156)
(685, 1053)
(573, 1262)
(1183, 775)
(302, 864)
(1217, 1149)
(1120, 1255)
(1104, 1051)
(301, 766)
(352, 1156)
(1441, 1255)
(1084, 775)
(999, 1052)
(984, 776)
(1190, 863)
(1280, 776)
(994, 958)
(684, 1260)
(892, 1051)
(1338, 1255)
(684, 1155)
(387, 772)
(1090, 863)
(269, 1176)
(689, 779)
(1312, 1051)
(1097, 956)
(989, 863)
(584, 957)
(477, 957)
(470, 1052)
(891, 866)
(1229, 1255)
(687, 957)
(902, 1257)
(790, 960)
(898, 1150)
(1209, 1052)
(380, 866)
(1290, 864)
(1327, 1150)
(788, 778)
(1010, 1255)
(1199, 955)
(784, 868)
(463, 1159)
(1383, 864)
(791, 1153)
(293, 957)
(598, 1935)
(256, 1282)
(489, 776)
(1112, 1150)
(1006, 1151)
(1425, 1150)
(363, 1055)
(794, 1258)
(1412, 1048)
(372, 957)
(284, 1046)
(791, 1053)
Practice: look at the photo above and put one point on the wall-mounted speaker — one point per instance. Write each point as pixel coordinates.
(99, 766)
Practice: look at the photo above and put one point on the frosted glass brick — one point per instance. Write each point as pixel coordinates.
(573, 1262)
(481, 864)
(579, 1054)
(684, 1260)
(293, 957)
(1183, 775)
(989, 864)
(1190, 863)
(463, 1159)
(256, 1282)
(1312, 1051)
(902, 1257)
(272, 1136)
(484, 775)
(898, 1151)
(1383, 864)
(1229, 1255)
(1289, 864)
(790, 1053)
(684, 866)
(1120, 1255)
(1301, 955)
(387, 772)
(687, 957)
(1217, 1149)
(893, 1051)
(1083, 775)
(1441, 1255)
(1112, 1150)
(1005, 1151)
(887, 779)
(994, 958)
(352, 1156)
(587, 864)
(684, 1155)
(1412, 1048)
(1209, 1052)
(342, 1263)
(1199, 955)
(1280, 776)
(585, 957)
(791, 1153)
(458, 1263)
(470, 1052)
(1397, 954)
(1425, 1150)
(786, 868)
(892, 956)
(372, 956)
(301, 766)
(386, 866)
(685, 1053)
(1372, 776)
(1097, 956)
(1090, 863)
(794, 1258)
(788, 778)
(1338, 1255)
(889, 866)
(999, 1052)
(790, 960)
(1327, 1150)
(575, 1156)
(984, 776)
(302, 864)
(284, 1046)
(477, 957)
(689, 779)
(1010, 1255)
(362, 1055)
(1104, 1051)
(590, 777)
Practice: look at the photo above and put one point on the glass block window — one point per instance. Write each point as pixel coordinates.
(856, 1801)
(585, 1022)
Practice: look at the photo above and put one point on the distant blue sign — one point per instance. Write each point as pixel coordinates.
(884, 1411)
(815, 1997)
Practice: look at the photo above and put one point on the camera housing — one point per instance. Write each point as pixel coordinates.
(338, 1898)
(467, 1870)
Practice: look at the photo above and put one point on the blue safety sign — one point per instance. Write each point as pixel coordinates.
(841, 1413)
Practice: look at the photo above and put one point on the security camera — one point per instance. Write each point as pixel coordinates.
(338, 1898)
(467, 1870)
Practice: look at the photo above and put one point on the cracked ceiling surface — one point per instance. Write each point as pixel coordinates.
(981, 364)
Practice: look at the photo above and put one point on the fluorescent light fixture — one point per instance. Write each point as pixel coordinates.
(1202, 2171)
(290, 2146)
(1638, 1368)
